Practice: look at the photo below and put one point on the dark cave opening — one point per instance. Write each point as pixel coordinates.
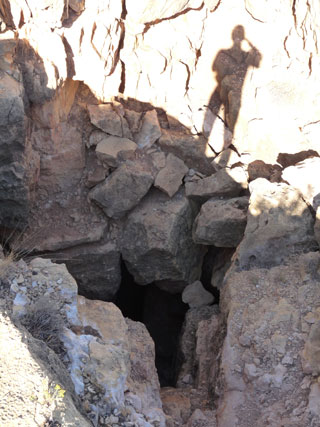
(163, 315)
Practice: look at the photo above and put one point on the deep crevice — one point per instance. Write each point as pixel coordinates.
(163, 315)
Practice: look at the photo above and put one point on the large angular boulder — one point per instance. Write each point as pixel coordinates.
(221, 222)
(225, 183)
(279, 224)
(157, 244)
(96, 268)
(124, 188)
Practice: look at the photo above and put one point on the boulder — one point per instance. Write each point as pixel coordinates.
(196, 296)
(193, 150)
(260, 169)
(149, 131)
(221, 222)
(96, 268)
(169, 179)
(279, 224)
(131, 181)
(305, 176)
(225, 183)
(113, 149)
(104, 117)
(157, 243)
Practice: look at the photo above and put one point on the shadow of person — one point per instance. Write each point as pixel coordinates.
(230, 67)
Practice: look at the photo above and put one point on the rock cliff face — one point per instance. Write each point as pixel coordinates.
(170, 145)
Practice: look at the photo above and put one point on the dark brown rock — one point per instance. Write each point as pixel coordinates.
(221, 222)
(157, 243)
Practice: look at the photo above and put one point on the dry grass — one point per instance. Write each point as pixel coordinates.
(44, 323)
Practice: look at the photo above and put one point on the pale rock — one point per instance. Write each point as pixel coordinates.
(105, 118)
(202, 418)
(305, 177)
(279, 223)
(113, 149)
(131, 180)
(265, 305)
(196, 296)
(157, 243)
(169, 179)
(150, 130)
(221, 222)
(143, 378)
(226, 159)
(188, 370)
(148, 11)
(220, 136)
(313, 404)
(109, 358)
(176, 403)
(225, 183)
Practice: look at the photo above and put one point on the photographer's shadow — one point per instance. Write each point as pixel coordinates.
(230, 67)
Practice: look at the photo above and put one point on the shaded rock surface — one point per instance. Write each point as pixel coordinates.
(224, 183)
(157, 244)
(221, 222)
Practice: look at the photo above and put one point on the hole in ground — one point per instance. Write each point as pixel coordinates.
(163, 315)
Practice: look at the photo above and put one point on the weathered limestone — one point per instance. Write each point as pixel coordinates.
(225, 183)
(157, 243)
(169, 179)
(131, 181)
(279, 224)
(221, 222)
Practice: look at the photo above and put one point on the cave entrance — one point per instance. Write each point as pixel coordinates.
(163, 315)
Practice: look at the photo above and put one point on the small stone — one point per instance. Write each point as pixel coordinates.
(20, 279)
(14, 287)
(196, 296)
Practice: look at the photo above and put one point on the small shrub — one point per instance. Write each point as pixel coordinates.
(44, 322)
